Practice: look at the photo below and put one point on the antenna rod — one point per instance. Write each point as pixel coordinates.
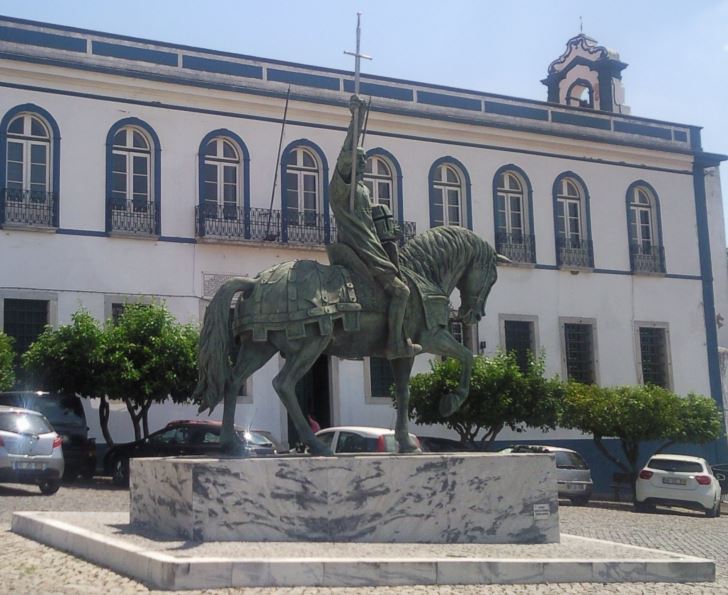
(267, 237)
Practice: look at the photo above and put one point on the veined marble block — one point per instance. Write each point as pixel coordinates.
(419, 498)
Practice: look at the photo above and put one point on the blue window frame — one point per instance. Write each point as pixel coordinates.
(133, 181)
(513, 214)
(224, 186)
(646, 251)
(30, 170)
(572, 223)
(305, 216)
(449, 188)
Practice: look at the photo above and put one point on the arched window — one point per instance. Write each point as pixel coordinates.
(513, 226)
(573, 236)
(221, 179)
(223, 210)
(303, 202)
(379, 180)
(645, 245)
(446, 187)
(29, 196)
(580, 94)
(133, 178)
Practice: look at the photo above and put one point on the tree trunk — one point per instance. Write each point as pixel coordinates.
(145, 417)
(609, 455)
(135, 418)
(664, 446)
(104, 419)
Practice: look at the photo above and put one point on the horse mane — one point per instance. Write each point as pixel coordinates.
(440, 251)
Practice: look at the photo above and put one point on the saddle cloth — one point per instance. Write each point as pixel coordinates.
(293, 294)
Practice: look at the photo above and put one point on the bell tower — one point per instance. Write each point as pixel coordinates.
(587, 75)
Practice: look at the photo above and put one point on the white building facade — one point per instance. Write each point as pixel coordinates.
(135, 170)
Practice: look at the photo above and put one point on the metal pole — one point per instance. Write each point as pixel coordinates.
(268, 237)
(355, 141)
(355, 137)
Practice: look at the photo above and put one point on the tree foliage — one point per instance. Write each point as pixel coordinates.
(150, 357)
(7, 356)
(142, 358)
(70, 358)
(637, 414)
(500, 396)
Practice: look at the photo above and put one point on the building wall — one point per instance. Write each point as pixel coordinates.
(82, 266)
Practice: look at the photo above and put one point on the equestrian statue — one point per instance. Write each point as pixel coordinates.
(374, 299)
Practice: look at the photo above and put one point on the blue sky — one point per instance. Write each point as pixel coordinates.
(677, 50)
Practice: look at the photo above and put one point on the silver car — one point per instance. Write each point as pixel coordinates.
(30, 451)
(573, 476)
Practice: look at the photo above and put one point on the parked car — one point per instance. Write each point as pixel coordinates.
(178, 438)
(573, 476)
(357, 439)
(66, 416)
(30, 451)
(433, 444)
(677, 480)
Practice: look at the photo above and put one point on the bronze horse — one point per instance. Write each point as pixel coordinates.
(434, 263)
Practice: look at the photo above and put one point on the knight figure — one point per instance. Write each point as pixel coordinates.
(356, 228)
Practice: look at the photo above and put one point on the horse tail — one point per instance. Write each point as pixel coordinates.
(216, 341)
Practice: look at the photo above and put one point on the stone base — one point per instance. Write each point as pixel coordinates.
(423, 498)
(107, 539)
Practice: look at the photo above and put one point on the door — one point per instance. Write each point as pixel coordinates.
(312, 392)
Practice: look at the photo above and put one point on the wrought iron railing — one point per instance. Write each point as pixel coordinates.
(646, 258)
(133, 216)
(518, 247)
(28, 207)
(572, 252)
(231, 223)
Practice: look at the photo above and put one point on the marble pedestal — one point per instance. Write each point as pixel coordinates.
(422, 498)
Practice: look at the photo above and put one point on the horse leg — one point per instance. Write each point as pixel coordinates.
(401, 369)
(443, 343)
(251, 357)
(298, 362)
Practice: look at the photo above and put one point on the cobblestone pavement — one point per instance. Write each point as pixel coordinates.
(27, 567)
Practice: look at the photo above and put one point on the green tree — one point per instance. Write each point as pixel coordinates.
(7, 356)
(637, 414)
(150, 357)
(500, 396)
(72, 359)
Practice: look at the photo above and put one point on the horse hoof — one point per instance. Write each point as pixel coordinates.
(449, 404)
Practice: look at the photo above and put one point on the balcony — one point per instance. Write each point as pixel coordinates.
(646, 258)
(229, 223)
(28, 208)
(518, 247)
(573, 252)
(134, 217)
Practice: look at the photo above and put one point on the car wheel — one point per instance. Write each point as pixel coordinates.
(644, 507)
(49, 487)
(120, 472)
(580, 500)
(714, 512)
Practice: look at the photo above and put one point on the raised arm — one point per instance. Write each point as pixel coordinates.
(358, 114)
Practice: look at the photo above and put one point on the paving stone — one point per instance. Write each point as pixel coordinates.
(29, 567)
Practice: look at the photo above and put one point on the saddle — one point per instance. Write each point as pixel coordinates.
(293, 294)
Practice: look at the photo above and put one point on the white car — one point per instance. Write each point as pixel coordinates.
(677, 480)
(357, 439)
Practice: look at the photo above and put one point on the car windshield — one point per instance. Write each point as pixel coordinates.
(256, 439)
(675, 465)
(23, 423)
(569, 460)
(58, 409)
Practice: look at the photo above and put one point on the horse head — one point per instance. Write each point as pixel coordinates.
(476, 283)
